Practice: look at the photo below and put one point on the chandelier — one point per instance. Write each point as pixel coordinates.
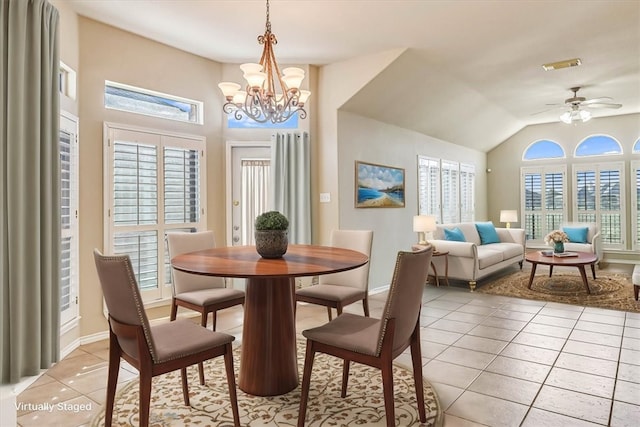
(575, 114)
(270, 95)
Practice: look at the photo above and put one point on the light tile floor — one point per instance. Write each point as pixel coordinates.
(493, 360)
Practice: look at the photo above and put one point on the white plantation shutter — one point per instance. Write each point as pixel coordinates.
(599, 192)
(543, 200)
(156, 185)
(68, 218)
(635, 203)
(554, 203)
(450, 192)
(467, 192)
(429, 187)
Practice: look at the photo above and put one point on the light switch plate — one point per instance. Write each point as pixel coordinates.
(325, 197)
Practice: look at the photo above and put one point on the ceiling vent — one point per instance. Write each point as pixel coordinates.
(562, 64)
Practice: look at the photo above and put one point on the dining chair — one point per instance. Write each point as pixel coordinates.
(340, 289)
(153, 350)
(377, 342)
(204, 294)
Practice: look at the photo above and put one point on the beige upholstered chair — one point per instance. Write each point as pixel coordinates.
(153, 350)
(377, 342)
(204, 294)
(340, 289)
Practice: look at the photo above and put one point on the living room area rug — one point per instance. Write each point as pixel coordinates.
(364, 404)
(609, 290)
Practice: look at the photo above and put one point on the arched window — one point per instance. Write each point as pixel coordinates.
(636, 146)
(598, 145)
(543, 149)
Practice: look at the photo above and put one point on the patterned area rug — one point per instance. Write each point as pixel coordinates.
(364, 404)
(612, 291)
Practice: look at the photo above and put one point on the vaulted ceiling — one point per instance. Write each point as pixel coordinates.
(471, 73)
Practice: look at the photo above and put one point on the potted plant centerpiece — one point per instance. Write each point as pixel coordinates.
(271, 232)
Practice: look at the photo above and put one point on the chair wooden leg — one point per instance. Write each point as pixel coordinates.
(203, 323)
(339, 309)
(174, 310)
(345, 377)
(306, 381)
(416, 358)
(365, 306)
(387, 386)
(185, 386)
(214, 317)
(145, 397)
(231, 381)
(112, 379)
(329, 313)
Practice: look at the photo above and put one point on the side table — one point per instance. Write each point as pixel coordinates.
(445, 254)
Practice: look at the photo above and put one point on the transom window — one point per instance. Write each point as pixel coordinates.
(543, 149)
(598, 145)
(636, 146)
(133, 99)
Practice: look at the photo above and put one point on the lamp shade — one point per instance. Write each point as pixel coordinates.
(422, 223)
(508, 216)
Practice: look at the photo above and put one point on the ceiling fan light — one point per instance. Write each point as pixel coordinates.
(585, 115)
(566, 117)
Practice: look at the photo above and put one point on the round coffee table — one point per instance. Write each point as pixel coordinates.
(579, 260)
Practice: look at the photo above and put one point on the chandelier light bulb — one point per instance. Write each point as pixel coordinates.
(229, 89)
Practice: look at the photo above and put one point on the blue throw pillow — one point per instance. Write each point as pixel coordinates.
(487, 232)
(454, 235)
(577, 234)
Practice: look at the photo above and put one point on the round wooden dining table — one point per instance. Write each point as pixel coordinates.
(268, 364)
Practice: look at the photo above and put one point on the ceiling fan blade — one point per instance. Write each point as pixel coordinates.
(597, 100)
(604, 105)
(557, 107)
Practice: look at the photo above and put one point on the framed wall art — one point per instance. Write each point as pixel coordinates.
(379, 186)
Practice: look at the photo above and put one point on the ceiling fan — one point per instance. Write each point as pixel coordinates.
(577, 106)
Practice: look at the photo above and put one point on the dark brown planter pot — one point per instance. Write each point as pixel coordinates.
(271, 243)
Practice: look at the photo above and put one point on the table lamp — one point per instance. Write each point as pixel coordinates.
(423, 224)
(509, 216)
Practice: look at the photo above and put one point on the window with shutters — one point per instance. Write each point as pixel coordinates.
(635, 203)
(446, 189)
(543, 200)
(68, 219)
(154, 184)
(599, 197)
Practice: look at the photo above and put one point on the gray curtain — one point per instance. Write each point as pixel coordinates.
(29, 189)
(291, 183)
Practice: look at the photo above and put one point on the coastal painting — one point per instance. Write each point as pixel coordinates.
(379, 186)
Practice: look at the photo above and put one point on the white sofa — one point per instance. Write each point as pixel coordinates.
(470, 260)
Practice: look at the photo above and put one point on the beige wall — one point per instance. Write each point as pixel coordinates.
(505, 160)
(107, 53)
(336, 84)
(372, 141)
